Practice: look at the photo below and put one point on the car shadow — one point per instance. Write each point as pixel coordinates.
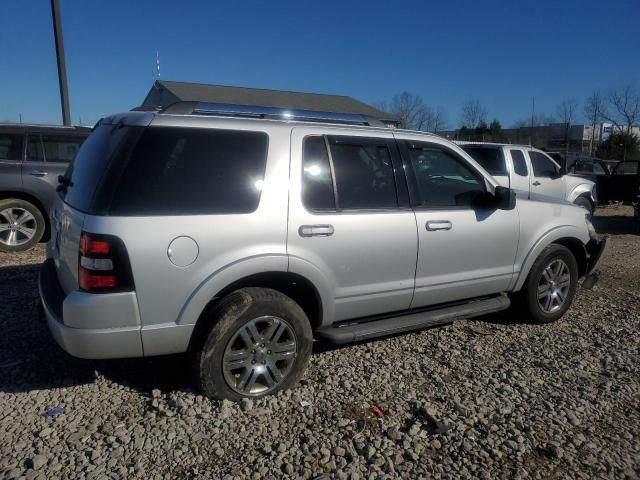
(616, 224)
(31, 360)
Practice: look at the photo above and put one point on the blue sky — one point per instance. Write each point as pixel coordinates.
(501, 52)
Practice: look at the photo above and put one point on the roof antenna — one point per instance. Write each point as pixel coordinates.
(156, 73)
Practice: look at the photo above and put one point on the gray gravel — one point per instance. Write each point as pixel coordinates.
(491, 398)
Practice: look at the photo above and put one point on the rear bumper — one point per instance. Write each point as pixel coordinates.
(79, 309)
(596, 250)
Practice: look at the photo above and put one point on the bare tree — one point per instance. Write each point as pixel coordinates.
(625, 106)
(567, 111)
(473, 112)
(411, 111)
(594, 111)
(438, 120)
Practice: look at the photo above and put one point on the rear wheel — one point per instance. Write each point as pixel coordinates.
(259, 343)
(21, 225)
(550, 287)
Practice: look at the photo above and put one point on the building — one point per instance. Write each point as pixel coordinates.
(581, 139)
(164, 93)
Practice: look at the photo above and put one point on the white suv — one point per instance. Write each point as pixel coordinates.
(240, 240)
(531, 172)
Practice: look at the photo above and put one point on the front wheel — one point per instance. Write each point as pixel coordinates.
(260, 342)
(550, 286)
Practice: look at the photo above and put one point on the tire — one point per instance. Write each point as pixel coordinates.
(252, 327)
(526, 300)
(585, 203)
(22, 225)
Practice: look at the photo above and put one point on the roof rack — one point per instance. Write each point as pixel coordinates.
(255, 111)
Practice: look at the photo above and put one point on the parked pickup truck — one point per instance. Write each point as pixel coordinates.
(530, 171)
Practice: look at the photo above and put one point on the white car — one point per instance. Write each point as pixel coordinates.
(530, 171)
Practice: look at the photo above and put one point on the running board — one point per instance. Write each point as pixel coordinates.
(354, 332)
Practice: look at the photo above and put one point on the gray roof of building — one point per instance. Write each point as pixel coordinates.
(267, 98)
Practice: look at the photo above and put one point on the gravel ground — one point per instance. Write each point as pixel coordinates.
(490, 398)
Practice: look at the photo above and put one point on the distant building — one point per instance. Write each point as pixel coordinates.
(582, 139)
(164, 93)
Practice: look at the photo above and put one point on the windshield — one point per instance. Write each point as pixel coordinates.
(489, 157)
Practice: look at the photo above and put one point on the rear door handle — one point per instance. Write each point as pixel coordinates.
(433, 225)
(38, 173)
(536, 183)
(316, 230)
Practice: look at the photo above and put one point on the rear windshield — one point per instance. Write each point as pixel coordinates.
(170, 171)
(490, 158)
(85, 172)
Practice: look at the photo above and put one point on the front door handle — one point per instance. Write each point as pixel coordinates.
(536, 183)
(38, 173)
(433, 225)
(316, 230)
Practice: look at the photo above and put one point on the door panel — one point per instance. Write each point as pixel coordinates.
(519, 170)
(366, 257)
(11, 155)
(464, 250)
(546, 179)
(624, 182)
(471, 258)
(47, 157)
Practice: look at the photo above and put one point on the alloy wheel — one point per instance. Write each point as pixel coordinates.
(17, 226)
(259, 356)
(553, 286)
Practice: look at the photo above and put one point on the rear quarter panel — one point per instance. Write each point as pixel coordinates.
(230, 247)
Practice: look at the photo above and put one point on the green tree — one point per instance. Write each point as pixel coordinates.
(620, 146)
(464, 133)
(495, 131)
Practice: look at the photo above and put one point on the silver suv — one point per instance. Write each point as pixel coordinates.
(240, 240)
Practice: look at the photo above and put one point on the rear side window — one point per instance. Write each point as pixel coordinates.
(542, 166)
(519, 163)
(364, 173)
(626, 168)
(10, 146)
(317, 181)
(490, 158)
(189, 171)
(60, 148)
(34, 148)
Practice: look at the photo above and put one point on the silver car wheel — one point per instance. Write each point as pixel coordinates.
(553, 286)
(259, 355)
(17, 226)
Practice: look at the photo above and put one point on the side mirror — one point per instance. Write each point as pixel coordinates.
(505, 198)
(562, 172)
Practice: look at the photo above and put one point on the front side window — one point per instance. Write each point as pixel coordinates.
(34, 148)
(489, 157)
(317, 181)
(442, 178)
(519, 163)
(60, 148)
(542, 165)
(11, 146)
(364, 173)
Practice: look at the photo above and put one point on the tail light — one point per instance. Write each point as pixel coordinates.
(104, 264)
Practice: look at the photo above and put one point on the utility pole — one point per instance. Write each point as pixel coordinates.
(62, 68)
